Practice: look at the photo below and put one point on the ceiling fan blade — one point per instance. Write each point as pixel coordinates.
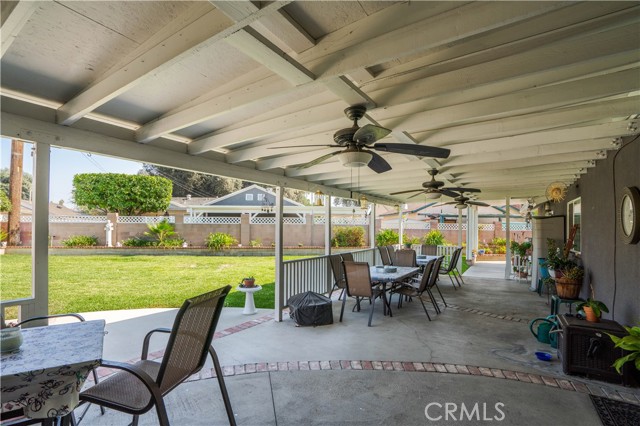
(302, 146)
(369, 133)
(463, 189)
(444, 204)
(318, 160)
(410, 149)
(448, 193)
(477, 203)
(406, 192)
(377, 163)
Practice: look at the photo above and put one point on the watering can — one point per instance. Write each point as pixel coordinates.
(545, 328)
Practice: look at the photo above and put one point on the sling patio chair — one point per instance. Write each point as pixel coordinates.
(141, 386)
(405, 257)
(347, 257)
(449, 269)
(359, 286)
(338, 274)
(411, 291)
(392, 254)
(384, 255)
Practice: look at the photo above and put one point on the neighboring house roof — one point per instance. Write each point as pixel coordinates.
(55, 209)
(251, 196)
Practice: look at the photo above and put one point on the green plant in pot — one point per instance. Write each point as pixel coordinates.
(631, 344)
(248, 282)
(593, 309)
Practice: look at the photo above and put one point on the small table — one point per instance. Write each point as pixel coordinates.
(424, 259)
(249, 304)
(45, 375)
(379, 275)
(557, 300)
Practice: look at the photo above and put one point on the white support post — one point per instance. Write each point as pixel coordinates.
(400, 226)
(279, 293)
(40, 230)
(469, 233)
(507, 263)
(459, 265)
(372, 226)
(475, 229)
(327, 225)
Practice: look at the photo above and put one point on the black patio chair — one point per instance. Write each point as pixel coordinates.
(359, 286)
(338, 274)
(405, 257)
(392, 254)
(347, 257)
(141, 386)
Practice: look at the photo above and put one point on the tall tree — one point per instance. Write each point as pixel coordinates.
(15, 191)
(195, 184)
(128, 195)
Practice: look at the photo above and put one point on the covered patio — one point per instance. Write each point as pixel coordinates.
(522, 94)
(479, 350)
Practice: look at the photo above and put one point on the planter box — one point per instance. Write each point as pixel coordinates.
(491, 257)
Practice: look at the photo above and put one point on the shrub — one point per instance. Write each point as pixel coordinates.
(434, 238)
(3, 235)
(80, 241)
(386, 237)
(407, 240)
(348, 236)
(172, 242)
(141, 241)
(499, 242)
(161, 232)
(255, 243)
(220, 240)
(5, 204)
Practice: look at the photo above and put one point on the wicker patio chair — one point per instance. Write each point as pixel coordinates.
(359, 286)
(141, 386)
(418, 291)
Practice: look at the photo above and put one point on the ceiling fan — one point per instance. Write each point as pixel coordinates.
(435, 188)
(359, 144)
(461, 202)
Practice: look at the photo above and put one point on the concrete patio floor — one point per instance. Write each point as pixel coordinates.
(477, 352)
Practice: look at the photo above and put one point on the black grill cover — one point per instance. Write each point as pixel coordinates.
(310, 309)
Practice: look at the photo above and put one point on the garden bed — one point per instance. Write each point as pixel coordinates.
(188, 251)
(491, 258)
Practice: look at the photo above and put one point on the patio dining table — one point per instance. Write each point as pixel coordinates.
(44, 376)
(424, 259)
(379, 275)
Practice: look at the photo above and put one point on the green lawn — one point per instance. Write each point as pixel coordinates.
(97, 283)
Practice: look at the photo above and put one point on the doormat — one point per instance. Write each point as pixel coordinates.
(616, 413)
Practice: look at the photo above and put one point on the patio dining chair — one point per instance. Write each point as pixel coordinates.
(411, 291)
(359, 286)
(138, 387)
(449, 269)
(347, 257)
(338, 274)
(392, 254)
(384, 255)
(405, 257)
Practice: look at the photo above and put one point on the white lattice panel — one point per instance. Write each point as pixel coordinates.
(4, 217)
(344, 221)
(146, 219)
(261, 220)
(517, 226)
(211, 220)
(77, 219)
(451, 227)
(486, 227)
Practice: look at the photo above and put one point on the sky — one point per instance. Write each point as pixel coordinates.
(65, 164)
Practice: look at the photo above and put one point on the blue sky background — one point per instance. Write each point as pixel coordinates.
(65, 164)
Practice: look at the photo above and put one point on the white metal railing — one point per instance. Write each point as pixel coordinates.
(486, 227)
(211, 220)
(517, 226)
(450, 226)
(146, 219)
(314, 273)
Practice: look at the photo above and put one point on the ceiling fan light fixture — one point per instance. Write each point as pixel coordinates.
(432, 195)
(461, 206)
(355, 158)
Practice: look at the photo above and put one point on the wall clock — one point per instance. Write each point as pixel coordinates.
(629, 215)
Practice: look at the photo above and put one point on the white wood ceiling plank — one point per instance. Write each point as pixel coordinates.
(580, 166)
(208, 29)
(15, 15)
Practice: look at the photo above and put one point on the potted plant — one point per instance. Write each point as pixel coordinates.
(569, 280)
(593, 309)
(631, 344)
(248, 282)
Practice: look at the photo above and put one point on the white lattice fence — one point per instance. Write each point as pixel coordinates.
(146, 219)
(486, 227)
(60, 219)
(451, 227)
(344, 221)
(517, 226)
(258, 220)
(211, 220)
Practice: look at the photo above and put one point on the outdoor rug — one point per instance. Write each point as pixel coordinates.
(616, 413)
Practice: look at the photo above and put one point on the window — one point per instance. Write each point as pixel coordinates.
(248, 197)
(260, 197)
(574, 217)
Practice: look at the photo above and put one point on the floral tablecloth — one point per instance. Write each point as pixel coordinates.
(46, 374)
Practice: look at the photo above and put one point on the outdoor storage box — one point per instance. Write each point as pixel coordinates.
(310, 309)
(586, 349)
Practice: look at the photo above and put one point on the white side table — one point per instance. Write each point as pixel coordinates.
(249, 304)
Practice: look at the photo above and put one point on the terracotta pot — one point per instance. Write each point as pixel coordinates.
(249, 283)
(591, 316)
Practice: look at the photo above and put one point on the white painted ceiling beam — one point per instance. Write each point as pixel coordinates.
(506, 174)
(15, 15)
(534, 161)
(173, 42)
